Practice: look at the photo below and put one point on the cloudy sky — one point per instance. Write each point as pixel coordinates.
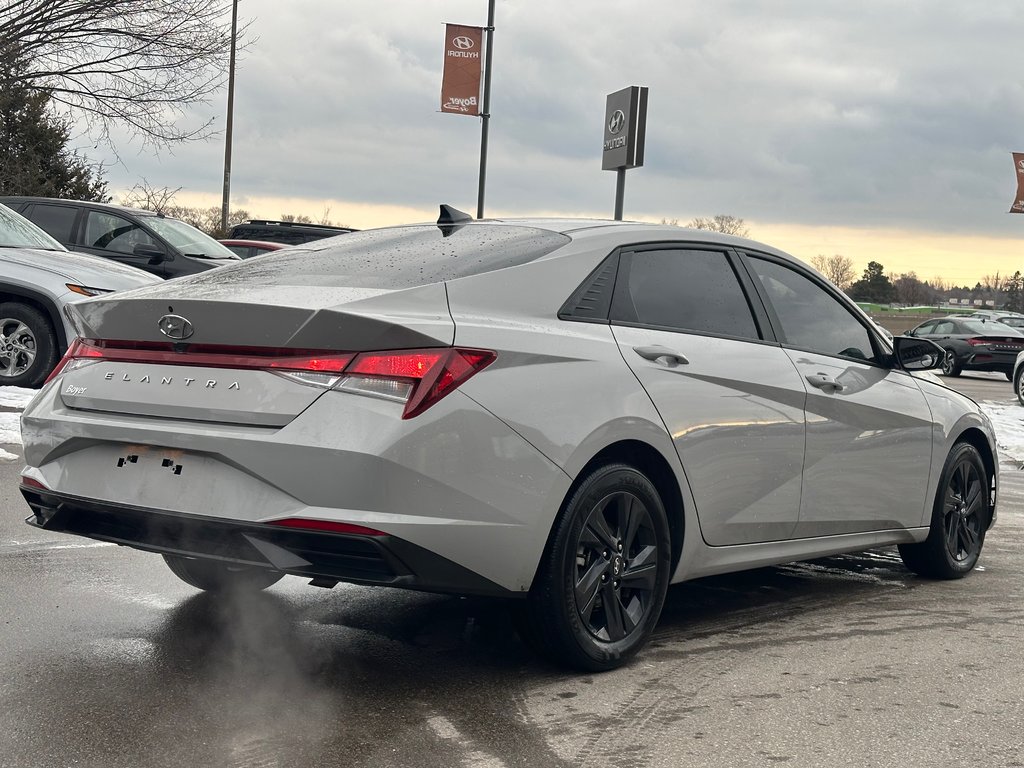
(880, 130)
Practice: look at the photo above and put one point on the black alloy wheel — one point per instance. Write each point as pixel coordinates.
(602, 581)
(949, 364)
(960, 519)
(616, 566)
(1018, 384)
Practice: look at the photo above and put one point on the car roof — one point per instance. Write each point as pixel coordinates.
(82, 203)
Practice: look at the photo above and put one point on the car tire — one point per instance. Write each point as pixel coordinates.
(950, 367)
(960, 518)
(28, 345)
(216, 576)
(601, 583)
(1018, 384)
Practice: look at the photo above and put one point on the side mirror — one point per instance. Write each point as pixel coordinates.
(155, 255)
(917, 354)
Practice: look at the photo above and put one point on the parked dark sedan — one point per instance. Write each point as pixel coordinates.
(973, 344)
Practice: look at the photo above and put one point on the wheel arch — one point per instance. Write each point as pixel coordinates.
(650, 461)
(45, 305)
(975, 437)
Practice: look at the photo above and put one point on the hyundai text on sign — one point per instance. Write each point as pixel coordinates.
(625, 125)
(463, 68)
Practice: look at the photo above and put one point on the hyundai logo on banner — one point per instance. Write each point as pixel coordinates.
(625, 124)
(463, 70)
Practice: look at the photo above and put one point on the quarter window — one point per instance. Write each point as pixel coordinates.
(811, 317)
(683, 289)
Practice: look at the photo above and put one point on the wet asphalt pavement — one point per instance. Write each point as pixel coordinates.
(107, 660)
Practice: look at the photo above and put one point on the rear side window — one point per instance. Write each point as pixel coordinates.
(683, 289)
(811, 317)
(57, 220)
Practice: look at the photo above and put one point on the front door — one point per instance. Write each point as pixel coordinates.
(869, 427)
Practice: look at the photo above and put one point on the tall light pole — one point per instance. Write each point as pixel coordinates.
(486, 111)
(225, 203)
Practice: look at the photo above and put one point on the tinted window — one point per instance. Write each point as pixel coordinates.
(685, 289)
(945, 326)
(811, 317)
(57, 220)
(115, 233)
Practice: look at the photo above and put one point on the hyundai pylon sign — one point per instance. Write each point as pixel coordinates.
(463, 67)
(1018, 166)
(625, 124)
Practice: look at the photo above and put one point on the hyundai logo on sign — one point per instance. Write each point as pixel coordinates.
(463, 43)
(625, 122)
(175, 327)
(618, 120)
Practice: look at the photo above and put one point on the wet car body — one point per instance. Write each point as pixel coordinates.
(502, 408)
(973, 344)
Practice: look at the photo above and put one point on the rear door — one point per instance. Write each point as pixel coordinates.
(727, 393)
(869, 427)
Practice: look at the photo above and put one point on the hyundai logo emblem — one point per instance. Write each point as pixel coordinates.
(616, 122)
(463, 43)
(175, 327)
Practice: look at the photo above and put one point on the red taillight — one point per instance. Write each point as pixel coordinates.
(328, 526)
(977, 342)
(416, 377)
(432, 373)
(31, 482)
(207, 356)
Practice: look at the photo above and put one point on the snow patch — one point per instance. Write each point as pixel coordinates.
(1008, 420)
(10, 428)
(16, 397)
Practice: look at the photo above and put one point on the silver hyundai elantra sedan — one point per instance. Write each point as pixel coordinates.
(573, 413)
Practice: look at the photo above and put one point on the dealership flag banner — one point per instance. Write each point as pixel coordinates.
(1018, 201)
(463, 68)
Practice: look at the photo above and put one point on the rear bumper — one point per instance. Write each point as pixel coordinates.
(326, 558)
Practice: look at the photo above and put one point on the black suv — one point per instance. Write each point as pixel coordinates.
(288, 232)
(151, 241)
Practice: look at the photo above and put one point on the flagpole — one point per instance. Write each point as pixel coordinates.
(485, 115)
(226, 200)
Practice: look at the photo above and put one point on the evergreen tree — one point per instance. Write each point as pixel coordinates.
(874, 286)
(34, 154)
(1015, 293)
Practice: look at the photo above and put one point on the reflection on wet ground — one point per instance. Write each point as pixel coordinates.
(375, 677)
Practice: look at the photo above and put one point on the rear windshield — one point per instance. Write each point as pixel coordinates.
(402, 257)
(989, 326)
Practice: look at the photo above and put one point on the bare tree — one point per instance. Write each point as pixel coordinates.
(671, 222)
(993, 282)
(940, 284)
(145, 195)
(838, 269)
(140, 64)
(911, 291)
(162, 200)
(729, 225)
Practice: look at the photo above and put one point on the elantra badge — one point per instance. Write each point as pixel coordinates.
(175, 327)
